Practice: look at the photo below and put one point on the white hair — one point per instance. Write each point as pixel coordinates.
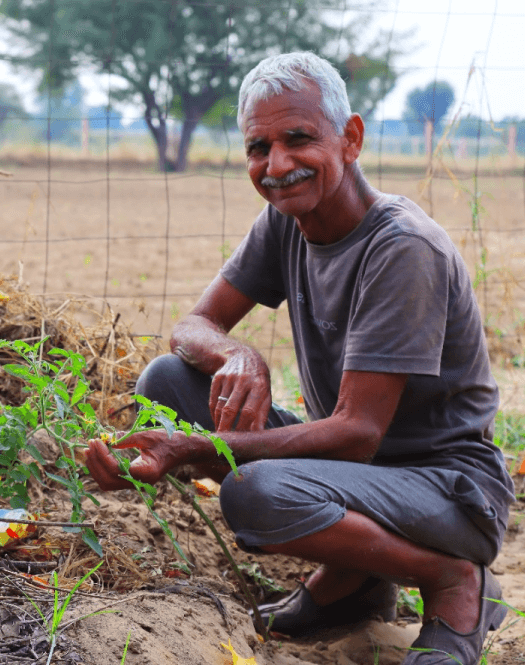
(293, 71)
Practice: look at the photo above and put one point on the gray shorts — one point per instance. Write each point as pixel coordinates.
(280, 500)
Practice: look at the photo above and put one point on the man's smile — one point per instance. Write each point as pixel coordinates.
(291, 178)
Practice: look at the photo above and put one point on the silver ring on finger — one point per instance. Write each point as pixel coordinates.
(222, 399)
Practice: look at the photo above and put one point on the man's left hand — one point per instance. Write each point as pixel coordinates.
(241, 391)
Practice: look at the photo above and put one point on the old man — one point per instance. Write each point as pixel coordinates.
(394, 478)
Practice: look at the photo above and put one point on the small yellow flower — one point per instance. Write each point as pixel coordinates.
(108, 438)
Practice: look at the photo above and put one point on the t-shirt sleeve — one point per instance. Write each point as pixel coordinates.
(254, 268)
(399, 322)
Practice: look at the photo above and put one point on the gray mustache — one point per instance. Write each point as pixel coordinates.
(289, 179)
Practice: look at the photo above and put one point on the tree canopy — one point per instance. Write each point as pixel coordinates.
(186, 56)
(11, 105)
(428, 104)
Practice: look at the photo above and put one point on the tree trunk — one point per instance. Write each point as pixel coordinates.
(188, 127)
(157, 125)
(194, 108)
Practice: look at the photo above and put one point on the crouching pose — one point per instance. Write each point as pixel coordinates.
(394, 478)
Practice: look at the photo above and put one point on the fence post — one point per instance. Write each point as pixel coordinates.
(429, 134)
(85, 137)
(511, 145)
(461, 152)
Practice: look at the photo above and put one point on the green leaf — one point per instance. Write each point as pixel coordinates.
(22, 372)
(165, 422)
(186, 427)
(60, 388)
(19, 501)
(64, 462)
(60, 405)
(172, 415)
(224, 449)
(72, 529)
(35, 453)
(58, 479)
(80, 390)
(144, 417)
(35, 471)
(142, 400)
(20, 474)
(87, 410)
(90, 538)
(92, 498)
(59, 352)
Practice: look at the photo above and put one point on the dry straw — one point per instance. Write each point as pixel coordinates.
(114, 356)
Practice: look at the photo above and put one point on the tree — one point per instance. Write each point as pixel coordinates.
(11, 105)
(472, 127)
(429, 104)
(188, 53)
(100, 117)
(60, 113)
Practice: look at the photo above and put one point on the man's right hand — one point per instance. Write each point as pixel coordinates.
(240, 393)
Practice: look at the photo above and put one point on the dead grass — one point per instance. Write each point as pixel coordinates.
(114, 356)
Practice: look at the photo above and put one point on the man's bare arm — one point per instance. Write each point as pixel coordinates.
(365, 408)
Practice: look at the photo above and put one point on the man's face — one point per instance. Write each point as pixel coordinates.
(294, 157)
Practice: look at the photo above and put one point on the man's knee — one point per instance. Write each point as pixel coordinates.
(269, 497)
(160, 374)
(250, 498)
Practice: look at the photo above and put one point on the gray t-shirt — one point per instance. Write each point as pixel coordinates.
(392, 296)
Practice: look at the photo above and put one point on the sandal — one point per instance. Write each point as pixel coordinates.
(298, 614)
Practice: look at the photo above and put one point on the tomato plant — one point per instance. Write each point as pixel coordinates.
(58, 402)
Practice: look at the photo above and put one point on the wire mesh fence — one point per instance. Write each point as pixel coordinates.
(85, 209)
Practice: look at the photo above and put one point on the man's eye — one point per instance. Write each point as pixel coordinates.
(257, 148)
(298, 139)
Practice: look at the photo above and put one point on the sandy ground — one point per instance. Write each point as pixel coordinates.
(178, 620)
(174, 619)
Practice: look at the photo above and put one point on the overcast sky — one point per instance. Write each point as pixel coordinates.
(452, 36)
(455, 34)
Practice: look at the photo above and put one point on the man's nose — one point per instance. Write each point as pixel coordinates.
(279, 161)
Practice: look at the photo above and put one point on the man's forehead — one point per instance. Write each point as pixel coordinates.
(301, 107)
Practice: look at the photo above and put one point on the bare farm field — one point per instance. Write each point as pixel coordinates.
(149, 243)
(139, 247)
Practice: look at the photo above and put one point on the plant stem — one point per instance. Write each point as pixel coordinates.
(85, 525)
(259, 624)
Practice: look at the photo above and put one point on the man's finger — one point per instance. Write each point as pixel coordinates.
(230, 410)
(104, 467)
(261, 418)
(219, 394)
(255, 409)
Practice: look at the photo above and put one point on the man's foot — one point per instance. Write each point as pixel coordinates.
(440, 644)
(298, 614)
(456, 597)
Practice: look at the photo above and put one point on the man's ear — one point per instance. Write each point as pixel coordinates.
(354, 134)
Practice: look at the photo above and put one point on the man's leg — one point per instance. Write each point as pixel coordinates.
(368, 522)
(450, 587)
